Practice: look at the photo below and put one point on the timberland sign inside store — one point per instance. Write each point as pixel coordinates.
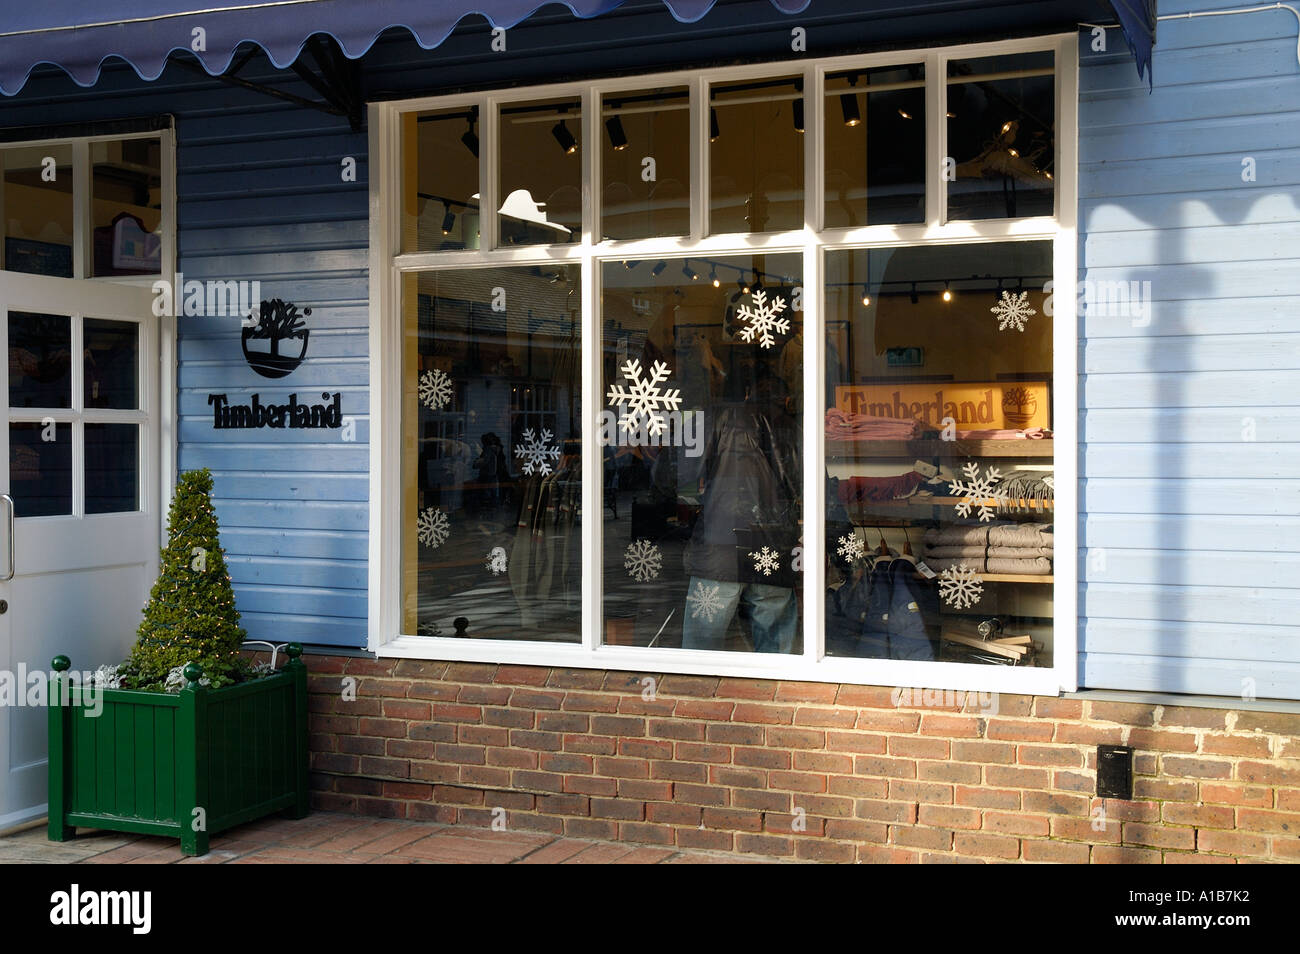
(972, 405)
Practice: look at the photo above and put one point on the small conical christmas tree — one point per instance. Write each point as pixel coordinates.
(191, 615)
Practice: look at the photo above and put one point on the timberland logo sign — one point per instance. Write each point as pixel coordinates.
(256, 414)
(275, 338)
(991, 405)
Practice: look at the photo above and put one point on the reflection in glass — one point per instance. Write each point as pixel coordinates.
(40, 468)
(701, 444)
(126, 183)
(111, 354)
(756, 156)
(440, 181)
(939, 455)
(40, 360)
(875, 146)
(541, 173)
(1001, 134)
(37, 205)
(646, 164)
(492, 453)
(112, 468)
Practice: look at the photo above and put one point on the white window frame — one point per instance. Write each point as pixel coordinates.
(388, 265)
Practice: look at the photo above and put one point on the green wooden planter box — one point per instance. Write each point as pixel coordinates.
(150, 761)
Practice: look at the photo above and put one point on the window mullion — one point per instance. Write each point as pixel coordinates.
(82, 207)
(593, 462)
(488, 169)
(814, 456)
(936, 140)
(699, 158)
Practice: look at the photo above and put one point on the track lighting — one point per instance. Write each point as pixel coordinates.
(849, 103)
(630, 265)
(713, 275)
(913, 296)
(714, 131)
(905, 114)
(947, 292)
(614, 126)
(866, 296)
(658, 269)
(565, 138)
(470, 138)
(448, 221)
(690, 272)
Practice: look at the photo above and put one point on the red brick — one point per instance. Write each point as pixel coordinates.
(483, 695)
(1090, 734)
(953, 727)
(622, 768)
(826, 851)
(932, 793)
(879, 720)
(485, 776)
(534, 699)
(686, 731)
(510, 718)
(562, 722)
(870, 697)
(1195, 768)
(729, 777)
(704, 839)
(795, 823)
(1055, 852)
(709, 711)
(858, 787)
(1135, 833)
(847, 830)
(539, 781)
(1125, 713)
(900, 812)
(589, 744)
(1193, 717)
(645, 790)
(565, 763)
(1162, 790)
(733, 820)
(680, 771)
(1268, 773)
(796, 738)
(1007, 799)
(1074, 782)
(763, 715)
(1007, 776)
(334, 762)
(1055, 803)
(1008, 823)
(1162, 740)
(1254, 819)
(404, 709)
(589, 702)
(667, 813)
(948, 772)
(688, 794)
(1056, 755)
(576, 679)
(1232, 843)
(1080, 829)
(828, 762)
(645, 833)
(598, 828)
(887, 768)
(434, 732)
(617, 725)
(1231, 793)
(521, 675)
(384, 728)
(1046, 707)
(1275, 723)
(1198, 816)
(762, 801)
(435, 772)
(617, 808)
(696, 752)
(944, 816)
(984, 845)
(760, 758)
(746, 689)
(1126, 855)
(512, 758)
(884, 855)
(454, 795)
(772, 845)
(636, 705)
(590, 785)
(797, 781)
(464, 754)
(827, 806)
(914, 748)
(829, 718)
(471, 672)
(863, 743)
(936, 839)
(1013, 730)
(1001, 753)
(645, 749)
(543, 741)
(1252, 746)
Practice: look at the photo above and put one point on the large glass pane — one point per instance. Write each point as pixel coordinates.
(491, 453)
(875, 146)
(40, 468)
(38, 210)
(40, 360)
(646, 165)
(440, 187)
(756, 156)
(1002, 136)
(541, 173)
(701, 440)
(111, 355)
(112, 468)
(126, 182)
(939, 454)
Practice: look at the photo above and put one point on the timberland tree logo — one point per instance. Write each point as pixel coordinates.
(275, 322)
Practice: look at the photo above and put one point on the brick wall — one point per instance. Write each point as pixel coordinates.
(800, 770)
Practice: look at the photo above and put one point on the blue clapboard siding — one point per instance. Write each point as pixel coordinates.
(1191, 422)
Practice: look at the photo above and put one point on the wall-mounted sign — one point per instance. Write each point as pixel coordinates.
(975, 405)
(256, 414)
(275, 323)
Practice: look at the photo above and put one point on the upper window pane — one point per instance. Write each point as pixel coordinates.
(541, 173)
(756, 156)
(111, 363)
(875, 146)
(440, 188)
(40, 360)
(646, 164)
(1002, 136)
(126, 182)
(38, 210)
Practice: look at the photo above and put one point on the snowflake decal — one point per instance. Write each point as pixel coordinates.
(435, 389)
(978, 491)
(645, 397)
(537, 452)
(705, 601)
(766, 560)
(851, 548)
(763, 319)
(432, 527)
(1013, 311)
(643, 561)
(496, 560)
(960, 586)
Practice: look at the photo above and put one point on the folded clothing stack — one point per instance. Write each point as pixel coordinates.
(847, 426)
(1023, 548)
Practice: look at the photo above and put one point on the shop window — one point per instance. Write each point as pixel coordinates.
(1001, 136)
(645, 160)
(701, 443)
(939, 454)
(126, 192)
(38, 210)
(541, 173)
(756, 154)
(491, 453)
(440, 197)
(875, 146)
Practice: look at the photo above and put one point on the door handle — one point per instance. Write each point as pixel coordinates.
(9, 574)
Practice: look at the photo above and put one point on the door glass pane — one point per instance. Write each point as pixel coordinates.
(875, 146)
(126, 182)
(38, 210)
(40, 468)
(491, 453)
(112, 468)
(939, 454)
(112, 363)
(1002, 136)
(541, 173)
(701, 442)
(40, 360)
(440, 208)
(756, 156)
(646, 163)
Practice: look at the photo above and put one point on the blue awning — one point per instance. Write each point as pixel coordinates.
(79, 35)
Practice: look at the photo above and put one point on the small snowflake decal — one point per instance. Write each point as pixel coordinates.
(496, 560)
(851, 548)
(645, 397)
(535, 452)
(643, 561)
(763, 319)
(432, 527)
(978, 491)
(1013, 311)
(766, 560)
(705, 601)
(435, 389)
(960, 586)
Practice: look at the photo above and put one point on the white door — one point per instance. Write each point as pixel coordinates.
(79, 461)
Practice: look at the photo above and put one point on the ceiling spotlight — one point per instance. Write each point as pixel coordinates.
(913, 296)
(614, 126)
(714, 131)
(849, 103)
(905, 114)
(952, 115)
(866, 296)
(713, 274)
(947, 292)
(565, 138)
(448, 221)
(658, 269)
(630, 265)
(690, 272)
(470, 138)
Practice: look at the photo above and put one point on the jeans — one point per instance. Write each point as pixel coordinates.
(710, 605)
